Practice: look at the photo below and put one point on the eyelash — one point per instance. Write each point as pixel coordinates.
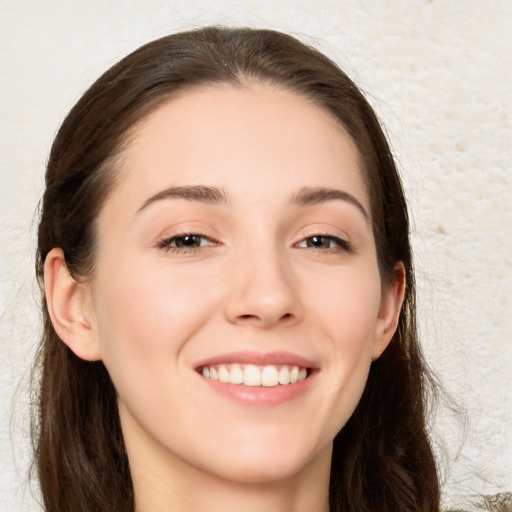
(340, 245)
(166, 243)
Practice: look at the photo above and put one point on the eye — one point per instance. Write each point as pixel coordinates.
(187, 242)
(325, 242)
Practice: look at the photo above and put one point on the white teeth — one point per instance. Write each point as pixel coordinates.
(269, 376)
(236, 375)
(284, 375)
(223, 374)
(252, 375)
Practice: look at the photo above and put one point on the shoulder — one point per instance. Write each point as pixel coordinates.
(496, 503)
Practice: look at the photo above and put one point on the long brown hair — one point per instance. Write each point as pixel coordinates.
(382, 458)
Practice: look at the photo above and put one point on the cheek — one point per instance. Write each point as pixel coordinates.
(348, 303)
(144, 323)
(347, 308)
(145, 314)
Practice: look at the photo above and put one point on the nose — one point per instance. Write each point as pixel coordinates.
(263, 290)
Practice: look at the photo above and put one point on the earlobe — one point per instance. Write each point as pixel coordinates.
(69, 306)
(389, 312)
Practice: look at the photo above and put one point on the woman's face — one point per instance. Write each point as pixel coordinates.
(237, 245)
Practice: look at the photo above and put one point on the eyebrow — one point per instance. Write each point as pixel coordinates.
(308, 196)
(214, 195)
(201, 193)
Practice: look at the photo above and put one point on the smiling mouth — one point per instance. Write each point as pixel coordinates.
(255, 376)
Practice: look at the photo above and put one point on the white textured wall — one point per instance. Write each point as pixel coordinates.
(439, 73)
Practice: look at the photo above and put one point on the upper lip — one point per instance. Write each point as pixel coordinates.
(258, 359)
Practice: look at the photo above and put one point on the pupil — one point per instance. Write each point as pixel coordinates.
(187, 241)
(318, 241)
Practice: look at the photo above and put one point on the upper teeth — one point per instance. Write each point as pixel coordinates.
(251, 375)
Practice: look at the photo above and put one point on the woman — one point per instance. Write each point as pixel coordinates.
(229, 292)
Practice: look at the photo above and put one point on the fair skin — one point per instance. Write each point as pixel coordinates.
(218, 255)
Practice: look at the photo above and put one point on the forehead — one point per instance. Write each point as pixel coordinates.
(235, 136)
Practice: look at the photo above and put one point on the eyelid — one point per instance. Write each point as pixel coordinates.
(342, 241)
(165, 241)
(184, 227)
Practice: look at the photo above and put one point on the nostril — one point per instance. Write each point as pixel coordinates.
(248, 316)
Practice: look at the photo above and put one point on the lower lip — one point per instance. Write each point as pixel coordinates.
(261, 395)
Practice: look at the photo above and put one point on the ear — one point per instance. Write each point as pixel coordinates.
(389, 312)
(70, 307)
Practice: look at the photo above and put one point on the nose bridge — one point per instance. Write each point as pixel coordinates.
(262, 286)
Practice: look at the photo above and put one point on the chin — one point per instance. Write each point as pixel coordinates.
(266, 471)
(264, 463)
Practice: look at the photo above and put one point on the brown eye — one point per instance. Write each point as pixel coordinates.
(319, 242)
(185, 243)
(324, 242)
(188, 241)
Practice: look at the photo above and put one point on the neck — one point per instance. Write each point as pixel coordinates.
(161, 486)
(206, 494)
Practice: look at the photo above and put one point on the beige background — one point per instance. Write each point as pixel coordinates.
(438, 72)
